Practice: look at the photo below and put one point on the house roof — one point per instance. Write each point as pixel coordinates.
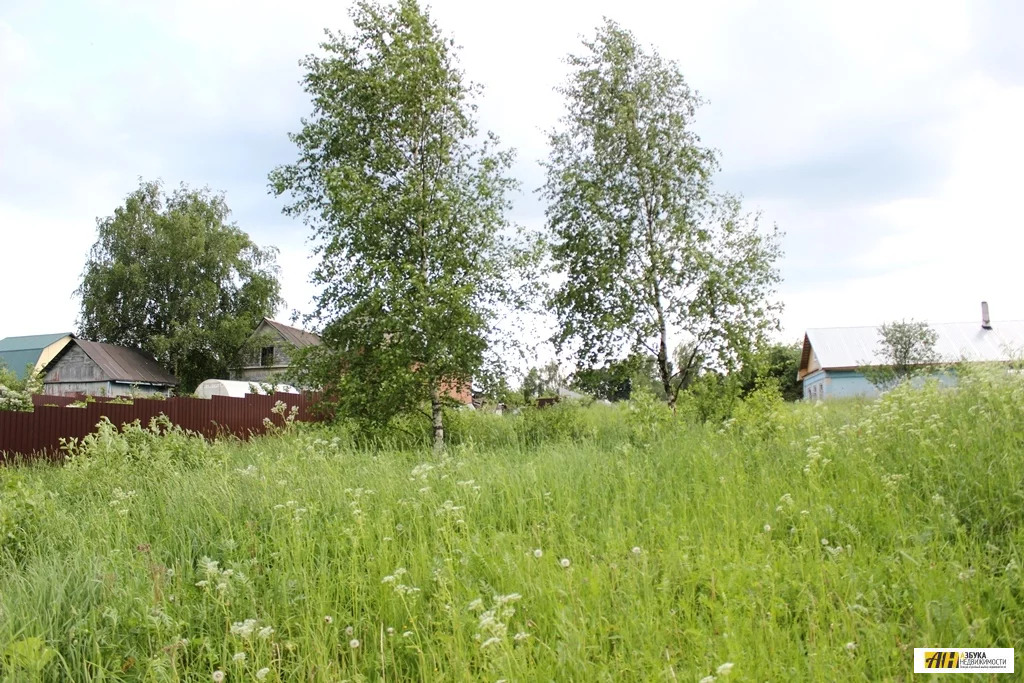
(293, 335)
(849, 347)
(120, 364)
(17, 353)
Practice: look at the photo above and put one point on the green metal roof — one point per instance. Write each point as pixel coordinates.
(17, 353)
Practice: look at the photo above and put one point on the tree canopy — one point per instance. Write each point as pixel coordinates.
(647, 251)
(170, 275)
(906, 349)
(407, 207)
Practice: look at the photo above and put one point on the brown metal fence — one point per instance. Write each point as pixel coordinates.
(39, 432)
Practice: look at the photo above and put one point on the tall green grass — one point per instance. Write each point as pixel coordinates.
(808, 542)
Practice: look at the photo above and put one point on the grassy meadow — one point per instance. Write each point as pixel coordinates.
(606, 543)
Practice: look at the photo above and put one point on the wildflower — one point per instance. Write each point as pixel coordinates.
(238, 657)
(407, 634)
(724, 669)
(262, 673)
(202, 584)
(521, 635)
(538, 553)
(490, 641)
(504, 599)
(475, 605)
(636, 550)
(564, 562)
(265, 632)
(243, 629)
(851, 646)
(391, 631)
(388, 579)
(218, 676)
(328, 619)
(349, 630)
(767, 528)
(824, 541)
(707, 679)
(354, 643)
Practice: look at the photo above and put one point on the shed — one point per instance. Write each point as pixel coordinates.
(17, 353)
(98, 369)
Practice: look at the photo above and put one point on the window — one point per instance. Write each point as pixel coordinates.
(267, 356)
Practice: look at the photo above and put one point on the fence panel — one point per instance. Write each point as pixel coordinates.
(39, 433)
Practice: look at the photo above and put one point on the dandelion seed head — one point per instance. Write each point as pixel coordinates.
(538, 553)
(851, 646)
(354, 643)
(328, 619)
(724, 669)
(238, 657)
(219, 676)
(564, 562)
(636, 550)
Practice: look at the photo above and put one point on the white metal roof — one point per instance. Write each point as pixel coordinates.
(847, 347)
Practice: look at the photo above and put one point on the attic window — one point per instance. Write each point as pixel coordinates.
(267, 356)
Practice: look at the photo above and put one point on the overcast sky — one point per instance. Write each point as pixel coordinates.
(884, 138)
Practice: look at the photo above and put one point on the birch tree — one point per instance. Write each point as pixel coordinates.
(646, 250)
(406, 201)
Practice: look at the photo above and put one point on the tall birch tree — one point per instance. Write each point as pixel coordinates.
(407, 202)
(646, 250)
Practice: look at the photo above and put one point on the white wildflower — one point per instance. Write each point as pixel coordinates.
(522, 635)
(636, 550)
(824, 541)
(266, 632)
(262, 673)
(490, 641)
(328, 619)
(564, 562)
(391, 631)
(708, 679)
(475, 605)
(219, 676)
(724, 669)
(243, 629)
(407, 634)
(238, 657)
(349, 630)
(538, 553)
(767, 528)
(851, 646)
(354, 643)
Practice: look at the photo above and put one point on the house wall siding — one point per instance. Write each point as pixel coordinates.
(823, 384)
(74, 366)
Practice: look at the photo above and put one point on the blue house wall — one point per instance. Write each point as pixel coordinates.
(852, 384)
(837, 384)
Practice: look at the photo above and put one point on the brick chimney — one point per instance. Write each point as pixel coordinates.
(986, 322)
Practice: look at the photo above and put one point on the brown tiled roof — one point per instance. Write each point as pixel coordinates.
(293, 335)
(119, 364)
